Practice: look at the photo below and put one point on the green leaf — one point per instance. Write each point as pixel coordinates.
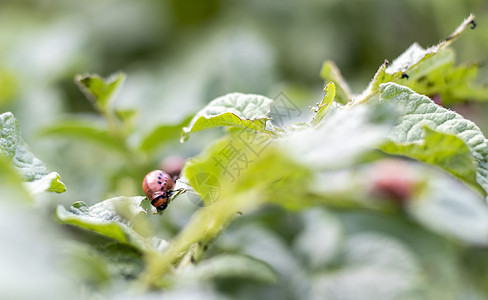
(234, 110)
(429, 69)
(450, 84)
(50, 182)
(9, 134)
(323, 107)
(330, 73)
(419, 111)
(226, 266)
(90, 131)
(440, 149)
(162, 134)
(101, 92)
(104, 218)
(30, 168)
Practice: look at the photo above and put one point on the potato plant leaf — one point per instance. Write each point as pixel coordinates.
(234, 110)
(30, 168)
(446, 151)
(9, 135)
(100, 91)
(330, 73)
(323, 107)
(431, 71)
(104, 218)
(419, 111)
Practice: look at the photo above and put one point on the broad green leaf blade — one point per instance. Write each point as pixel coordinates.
(9, 134)
(104, 218)
(90, 131)
(330, 73)
(160, 135)
(231, 266)
(50, 182)
(30, 168)
(323, 107)
(35, 174)
(419, 111)
(440, 149)
(450, 84)
(429, 69)
(101, 92)
(234, 110)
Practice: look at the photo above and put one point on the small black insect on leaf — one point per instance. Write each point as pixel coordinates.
(405, 76)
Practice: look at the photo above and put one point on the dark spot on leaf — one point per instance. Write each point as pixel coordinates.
(449, 38)
(405, 76)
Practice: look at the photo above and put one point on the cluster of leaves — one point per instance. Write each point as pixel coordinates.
(384, 193)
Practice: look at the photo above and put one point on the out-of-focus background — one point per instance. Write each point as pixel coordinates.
(179, 55)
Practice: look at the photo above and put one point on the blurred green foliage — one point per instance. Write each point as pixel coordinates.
(178, 56)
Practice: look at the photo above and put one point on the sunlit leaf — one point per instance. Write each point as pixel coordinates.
(234, 110)
(431, 70)
(330, 73)
(104, 218)
(30, 168)
(441, 149)
(9, 134)
(419, 111)
(323, 107)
